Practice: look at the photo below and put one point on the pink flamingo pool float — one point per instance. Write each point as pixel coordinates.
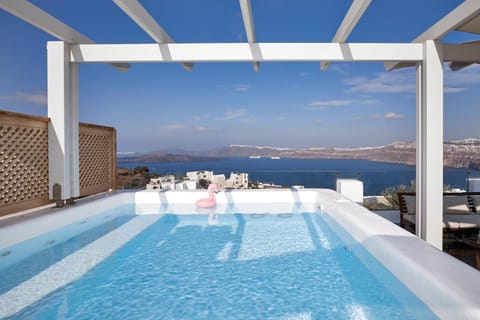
(210, 201)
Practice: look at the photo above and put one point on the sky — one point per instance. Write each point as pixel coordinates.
(162, 106)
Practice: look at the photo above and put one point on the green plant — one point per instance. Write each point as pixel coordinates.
(391, 193)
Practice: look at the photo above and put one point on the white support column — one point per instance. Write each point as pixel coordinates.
(419, 152)
(430, 144)
(63, 134)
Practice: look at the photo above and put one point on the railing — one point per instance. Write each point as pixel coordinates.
(97, 158)
(24, 161)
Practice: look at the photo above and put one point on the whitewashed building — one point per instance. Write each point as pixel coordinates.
(163, 182)
(237, 181)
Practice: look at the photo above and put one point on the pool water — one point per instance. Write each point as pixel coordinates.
(227, 266)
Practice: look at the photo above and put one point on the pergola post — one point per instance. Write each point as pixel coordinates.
(429, 143)
(63, 134)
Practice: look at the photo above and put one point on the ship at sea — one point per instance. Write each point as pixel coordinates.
(254, 157)
(275, 158)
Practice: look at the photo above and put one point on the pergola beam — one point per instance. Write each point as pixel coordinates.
(32, 14)
(244, 52)
(247, 17)
(455, 19)
(145, 21)
(43, 21)
(355, 12)
(461, 55)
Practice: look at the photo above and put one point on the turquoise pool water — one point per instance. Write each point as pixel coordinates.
(228, 266)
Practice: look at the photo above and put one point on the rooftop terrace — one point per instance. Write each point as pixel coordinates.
(427, 53)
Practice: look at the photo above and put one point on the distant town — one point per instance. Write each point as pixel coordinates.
(194, 180)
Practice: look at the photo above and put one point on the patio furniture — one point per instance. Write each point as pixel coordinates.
(459, 211)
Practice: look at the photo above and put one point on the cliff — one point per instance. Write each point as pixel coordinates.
(457, 154)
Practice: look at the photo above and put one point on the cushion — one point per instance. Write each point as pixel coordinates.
(455, 205)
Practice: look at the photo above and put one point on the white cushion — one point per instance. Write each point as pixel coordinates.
(455, 205)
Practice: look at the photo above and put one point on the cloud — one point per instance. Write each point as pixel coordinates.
(393, 115)
(304, 74)
(386, 82)
(38, 98)
(200, 129)
(404, 81)
(200, 117)
(241, 87)
(174, 126)
(387, 116)
(453, 89)
(233, 114)
(459, 81)
(338, 68)
(331, 103)
(315, 105)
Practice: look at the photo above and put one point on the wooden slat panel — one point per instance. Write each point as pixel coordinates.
(23, 162)
(97, 159)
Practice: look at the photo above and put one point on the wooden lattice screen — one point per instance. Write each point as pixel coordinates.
(23, 162)
(97, 158)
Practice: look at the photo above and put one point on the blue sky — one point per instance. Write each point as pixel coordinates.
(157, 106)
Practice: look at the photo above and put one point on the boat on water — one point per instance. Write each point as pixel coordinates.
(274, 158)
(254, 157)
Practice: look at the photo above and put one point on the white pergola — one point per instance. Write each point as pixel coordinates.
(427, 53)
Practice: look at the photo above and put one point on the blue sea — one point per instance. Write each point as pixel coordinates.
(311, 173)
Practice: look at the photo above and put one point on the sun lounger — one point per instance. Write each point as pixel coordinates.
(458, 211)
(476, 201)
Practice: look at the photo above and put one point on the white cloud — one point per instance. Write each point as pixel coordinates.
(387, 116)
(174, 126)
(241, 87)
(38, 98)
(304, 74)
(233, 114)
(338, 103)
(200, 117)
(393, 115)
(453, 89)
(458, 81)
(331, 103)
(338, 68)
(390, 82)
(204, 129)
(404, 80)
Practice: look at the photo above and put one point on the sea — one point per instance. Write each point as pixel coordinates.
(311, 173)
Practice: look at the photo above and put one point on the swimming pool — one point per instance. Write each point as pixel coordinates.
(286, 257)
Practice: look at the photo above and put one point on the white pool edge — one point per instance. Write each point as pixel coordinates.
(448, 286)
